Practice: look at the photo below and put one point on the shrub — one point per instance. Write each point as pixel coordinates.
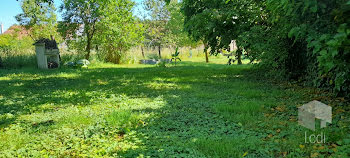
(16, 52)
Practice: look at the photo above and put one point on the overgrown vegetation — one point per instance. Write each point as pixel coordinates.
(302, 40)
(39, 19)
(228, 106)
(297, 40)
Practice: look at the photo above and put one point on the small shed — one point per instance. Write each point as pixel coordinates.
(47, 54)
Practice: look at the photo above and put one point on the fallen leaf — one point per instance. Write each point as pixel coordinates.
(314, 155)
(280, 109)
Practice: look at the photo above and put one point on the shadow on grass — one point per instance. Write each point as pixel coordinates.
(200, 115)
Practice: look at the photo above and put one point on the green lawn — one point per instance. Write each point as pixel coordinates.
(191, 110)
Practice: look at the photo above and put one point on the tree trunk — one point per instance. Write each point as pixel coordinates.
(206, 53)
(143, 53)
(117, 58)
(239, 56)
(88, 48)
(160, 55)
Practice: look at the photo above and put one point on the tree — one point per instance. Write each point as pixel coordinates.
(118, 29)
(217, 22)
(39, 18)
(79, 20)
(296, 39)
(164, 25)
(177, 36)
(158, 17)
(199, 23)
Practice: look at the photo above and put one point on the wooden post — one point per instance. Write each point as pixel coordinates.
(143, 53)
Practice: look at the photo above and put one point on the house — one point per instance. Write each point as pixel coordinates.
(19, 31)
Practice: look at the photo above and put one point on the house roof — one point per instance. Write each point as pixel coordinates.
(21, 31)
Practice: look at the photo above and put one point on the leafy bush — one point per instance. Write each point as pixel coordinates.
(16, 52)
(333, 57)
(299, 40)
(317, 33)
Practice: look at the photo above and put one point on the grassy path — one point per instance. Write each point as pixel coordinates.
(193, 110)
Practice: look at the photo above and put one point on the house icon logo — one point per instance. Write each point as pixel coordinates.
(314, 110)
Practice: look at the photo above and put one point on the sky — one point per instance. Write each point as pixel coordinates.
(10, 8)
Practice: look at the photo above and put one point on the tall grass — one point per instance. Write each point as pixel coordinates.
(27, 57)
(18, 58)
(135, 54)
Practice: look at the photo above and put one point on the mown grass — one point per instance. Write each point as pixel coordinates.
(191, 110)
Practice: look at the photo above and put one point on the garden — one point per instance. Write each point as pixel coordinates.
(175, 79)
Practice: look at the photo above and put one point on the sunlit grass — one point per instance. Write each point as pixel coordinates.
(193, 109)
(227, 147)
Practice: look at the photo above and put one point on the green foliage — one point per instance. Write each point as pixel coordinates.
(119, 30)
(175, 56)
(11, 42)
(177, 36)
(318, 32)
(332, 55)
(16, 52)
(107, 25)
(125, 120)
(164, 25)
(39, 18)
(217, 23)
(161, 64)
(228, 147)
(135, 110)
(153, 56)
(301, 40)
(79, 21)
(156, 33)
